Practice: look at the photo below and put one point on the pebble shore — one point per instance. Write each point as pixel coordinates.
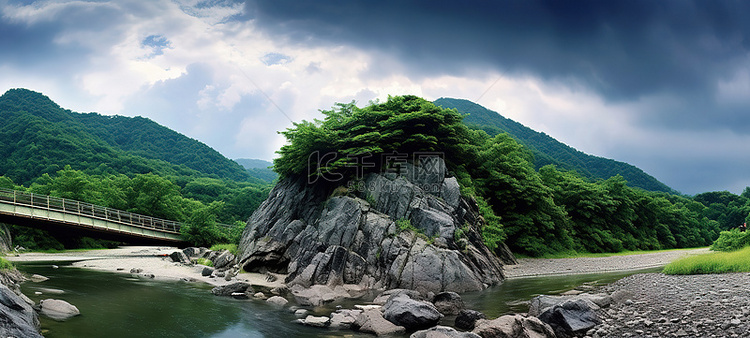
(658, 305)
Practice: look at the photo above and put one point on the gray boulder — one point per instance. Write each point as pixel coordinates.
(277, 301)
(443, 332)
(57, 309)
(228, 290)
(466, 319)
(207, 271)
(540, 303)
(411, 314)
(223, 260)
(316, 321)
(372, 321)
(179, 257)
(448, 303)
(344, 318)
(193, 252)
(572, 317)
(513, 326)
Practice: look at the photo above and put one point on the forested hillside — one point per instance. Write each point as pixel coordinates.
(132, 164)
(38, 137)
(547, 150)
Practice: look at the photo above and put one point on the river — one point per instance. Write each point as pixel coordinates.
(118, 305)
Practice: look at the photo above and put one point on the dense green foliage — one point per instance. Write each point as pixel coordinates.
(731, 240)
(38, 137)
(131, 164)
(717, 262)
(547, 150)
(534, 212)
(5, 264)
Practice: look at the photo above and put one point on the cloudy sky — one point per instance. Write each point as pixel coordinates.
(663, 85)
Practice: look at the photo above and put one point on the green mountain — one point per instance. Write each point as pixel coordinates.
(37, 136)
(259, 169)
(547, 150)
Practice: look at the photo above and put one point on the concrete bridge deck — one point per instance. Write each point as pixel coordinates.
(71, 216)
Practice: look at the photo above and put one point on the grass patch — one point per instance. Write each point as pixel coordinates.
(227, 246)
(717, 262)
(204, 261)
(575, 254)
(6, 264)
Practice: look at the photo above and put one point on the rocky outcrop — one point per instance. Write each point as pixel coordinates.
(17, 316)
(409, 230)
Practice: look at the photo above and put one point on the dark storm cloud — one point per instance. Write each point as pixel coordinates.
(622, 50)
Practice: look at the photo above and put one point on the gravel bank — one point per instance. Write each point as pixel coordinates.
(528, 267)
(657, 305)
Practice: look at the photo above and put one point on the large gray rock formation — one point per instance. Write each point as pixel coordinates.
(410, 230)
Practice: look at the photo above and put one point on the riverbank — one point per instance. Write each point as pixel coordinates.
(534, 267)
(148, 261)
(658, 305)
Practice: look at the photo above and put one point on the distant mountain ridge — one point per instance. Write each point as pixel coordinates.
(260, 169)
(547, 150)
(37, 136)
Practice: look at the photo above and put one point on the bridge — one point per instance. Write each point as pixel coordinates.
(68, 216)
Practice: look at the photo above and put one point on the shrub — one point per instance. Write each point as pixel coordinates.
(225, 246)
(5, 264)
(204, 261)
(731, 240)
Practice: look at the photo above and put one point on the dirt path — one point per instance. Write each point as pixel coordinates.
(528, 267)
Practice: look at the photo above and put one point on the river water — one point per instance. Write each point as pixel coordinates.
(118, 305)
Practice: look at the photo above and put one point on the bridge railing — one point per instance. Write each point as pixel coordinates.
(73, 207)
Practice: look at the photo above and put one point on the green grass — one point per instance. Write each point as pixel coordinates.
(204, 261)
(717, 262)
(575, 254)
(5, 264)
(227, 246)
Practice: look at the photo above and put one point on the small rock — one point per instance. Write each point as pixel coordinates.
(136, 270)
(466, 319)
(317, 321)
(38, 278)
(443, 332)
(207, 271)
(301, 313)
(238, 295)
(277, 301)
(58, 309)
(259, 295)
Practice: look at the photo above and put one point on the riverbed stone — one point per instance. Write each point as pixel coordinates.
(466, 319)
(513, 326)
(448, 303)
(443, 332)
(411, 314)
(57, 309)
(227, 290)
(277, 301)
(36, 278)
(317, 321)
(179, 257)
(372, 321)
(572, 317)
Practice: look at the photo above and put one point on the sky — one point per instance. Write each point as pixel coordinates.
(662, 85)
